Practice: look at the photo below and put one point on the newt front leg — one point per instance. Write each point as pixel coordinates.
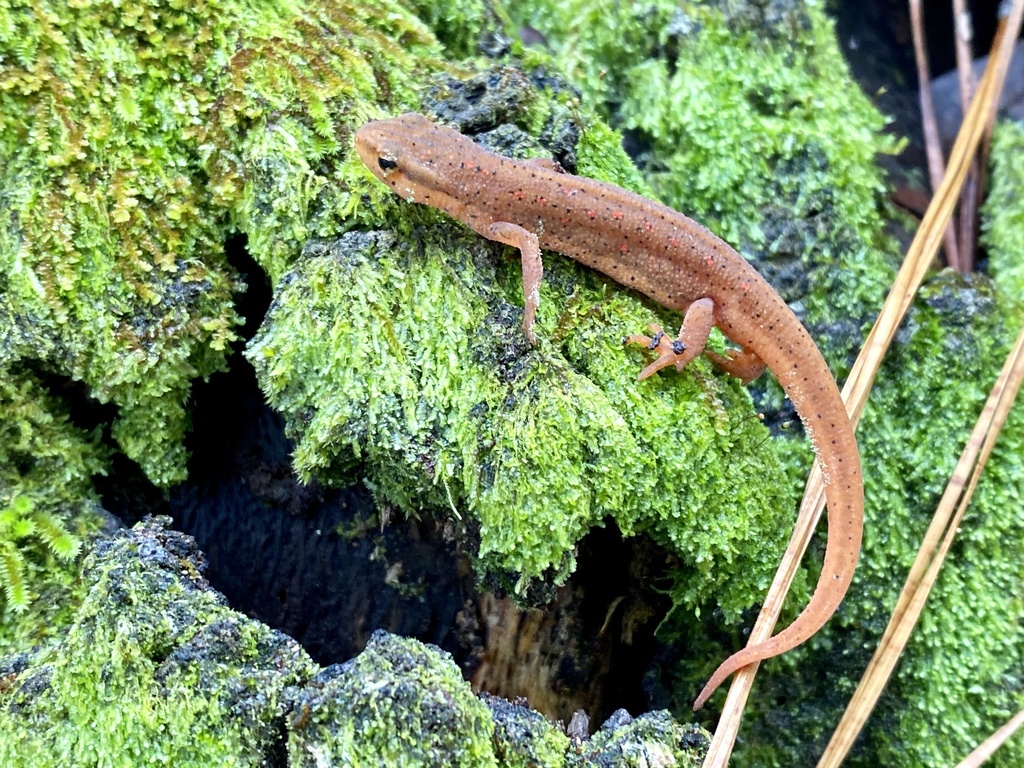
(533, 268)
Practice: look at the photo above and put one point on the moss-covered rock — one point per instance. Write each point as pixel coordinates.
(654, 739)
(398, 703)
(523, 738)
(157, 670)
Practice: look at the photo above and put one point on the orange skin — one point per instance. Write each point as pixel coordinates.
(676, 262)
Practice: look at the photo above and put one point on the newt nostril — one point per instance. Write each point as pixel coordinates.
(386, 164)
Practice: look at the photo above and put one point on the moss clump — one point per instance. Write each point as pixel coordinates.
(398, 703)
(133, 139)
(47, 504)
(111, 253)
(1003, 224)
(410, 356)
(156, 670)
(651, 739)
(523, 738)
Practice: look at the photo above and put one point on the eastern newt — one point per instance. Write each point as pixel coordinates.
(676, 262)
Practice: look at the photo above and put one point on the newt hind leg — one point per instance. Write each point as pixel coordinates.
(533, 268)
(693, 336)
(741, 363)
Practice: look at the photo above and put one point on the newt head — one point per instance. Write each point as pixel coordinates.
(402, 152)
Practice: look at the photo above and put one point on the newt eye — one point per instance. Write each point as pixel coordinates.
(386, 164)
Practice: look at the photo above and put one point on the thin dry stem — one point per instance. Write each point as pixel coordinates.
(990, 122)
(964, 29)
(970, 198)
(988, 747)
(929, 125)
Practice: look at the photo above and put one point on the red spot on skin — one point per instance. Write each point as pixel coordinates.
(591, 214)
(617, 215)
(518, 194)
(709, 260)
(624, 248)
(542, 200)
(564, 220)
(674, 242)
(647, 225)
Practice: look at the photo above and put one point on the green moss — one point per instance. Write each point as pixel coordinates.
(601, 156)
(1003, 222)
(410, 357)
(651, 739)
(19, 521)
(955, 684)
(523, 738)
(398, 703)
(155, 671)
(462, 26)
(133, 139)
(47, 504)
